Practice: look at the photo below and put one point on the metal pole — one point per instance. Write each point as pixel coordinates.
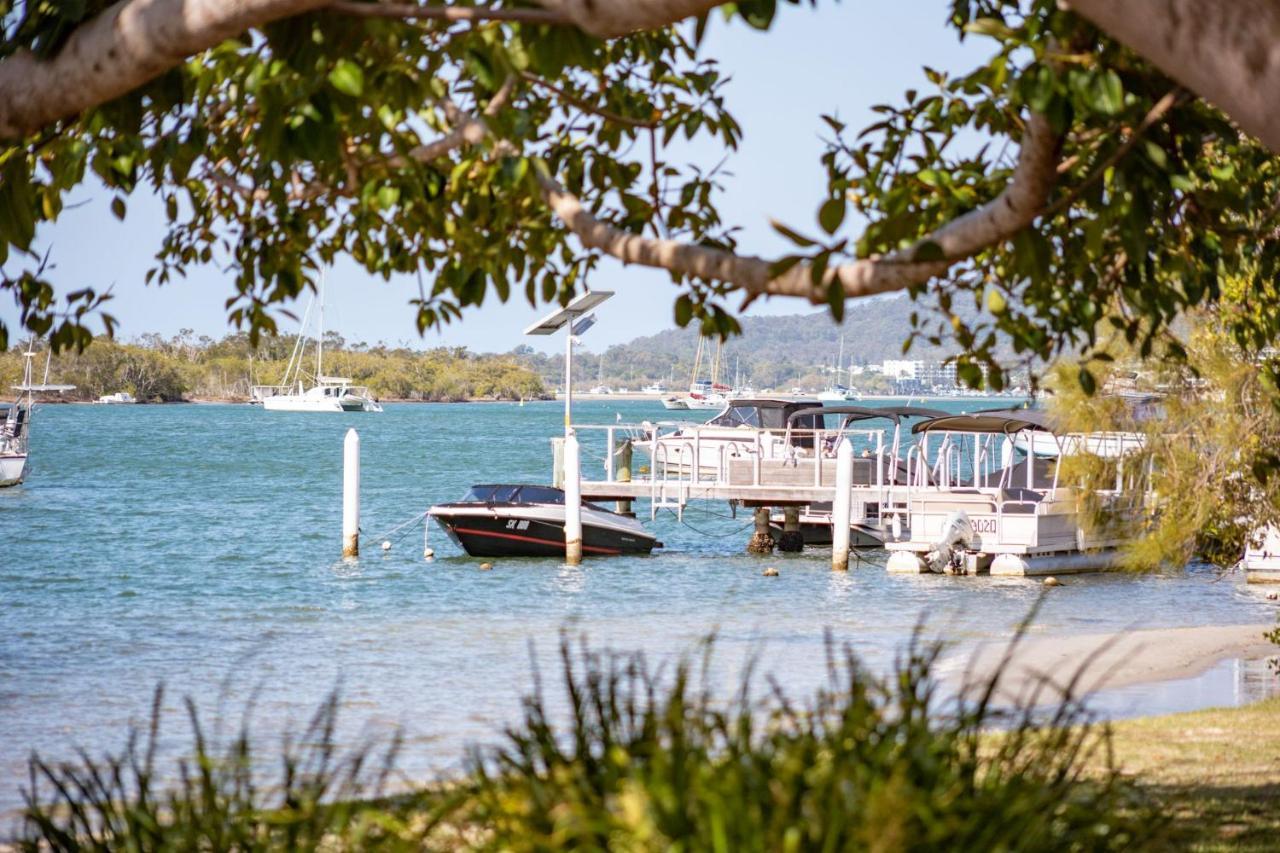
(572, 502)
(351, 494)
(842, 507)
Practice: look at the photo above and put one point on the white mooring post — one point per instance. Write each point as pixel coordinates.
(351, 494)
(841, 507)
(572, 502)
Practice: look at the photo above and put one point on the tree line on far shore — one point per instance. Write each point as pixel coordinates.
(183, 367)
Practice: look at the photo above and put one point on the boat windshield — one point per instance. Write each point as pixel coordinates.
(506, 494)
(736, 416)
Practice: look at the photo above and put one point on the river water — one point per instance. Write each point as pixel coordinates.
(197, 546)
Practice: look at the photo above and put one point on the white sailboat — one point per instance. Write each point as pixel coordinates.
(15, 419)
(838, 392)
(706, 393)
(325, 393)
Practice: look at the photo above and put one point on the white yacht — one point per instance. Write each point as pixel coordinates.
(300, 392)
(116, 399)
(15, 420)
(744, 429)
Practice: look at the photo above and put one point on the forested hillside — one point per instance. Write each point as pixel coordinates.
(772, 352)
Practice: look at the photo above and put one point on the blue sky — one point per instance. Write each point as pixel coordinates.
(840, 58)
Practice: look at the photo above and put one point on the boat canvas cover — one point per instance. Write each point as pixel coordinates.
(867, 413)
(1005, 421)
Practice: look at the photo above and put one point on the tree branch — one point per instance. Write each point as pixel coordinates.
(473, 14)
(1017, 207)
(1153, 116)
(574, 101)
(133, 42)
(124, 47)
(1225, 51)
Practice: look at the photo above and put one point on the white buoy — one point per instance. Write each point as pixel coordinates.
(842, 507)
(572, 502)
(351, 494)
(386, 544)
(427, 552)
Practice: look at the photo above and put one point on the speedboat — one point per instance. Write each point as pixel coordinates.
(118, 398)
(512, 520)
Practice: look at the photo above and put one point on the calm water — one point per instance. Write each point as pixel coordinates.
(196, 545)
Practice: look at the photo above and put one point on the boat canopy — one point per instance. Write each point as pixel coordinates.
(761, 413)
(1006, 421)
(867, 413)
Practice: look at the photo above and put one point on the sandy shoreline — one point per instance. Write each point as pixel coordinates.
(1111, 660)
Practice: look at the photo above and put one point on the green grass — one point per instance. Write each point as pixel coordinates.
(1215, 773)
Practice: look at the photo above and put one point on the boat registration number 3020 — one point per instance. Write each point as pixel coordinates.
(518, 524)
(984, 525)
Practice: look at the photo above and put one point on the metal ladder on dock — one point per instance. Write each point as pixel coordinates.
(661, 497)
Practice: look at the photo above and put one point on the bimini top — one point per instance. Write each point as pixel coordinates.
(993, 420)
(866, 413)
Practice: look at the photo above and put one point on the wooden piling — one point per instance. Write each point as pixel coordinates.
(557, 462)
(351, 494)
(622, 474)
(761, 540)
(842, 507)
(792, 540)
(572, 502)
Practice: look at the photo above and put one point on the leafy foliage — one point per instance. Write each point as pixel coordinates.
(1211, 446)
(183, 366)
(278, 151)
(652, 762)
(1159, 197)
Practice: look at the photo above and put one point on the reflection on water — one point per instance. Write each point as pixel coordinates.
(197, 545)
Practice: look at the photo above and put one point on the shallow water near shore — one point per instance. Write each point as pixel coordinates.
(197, 546)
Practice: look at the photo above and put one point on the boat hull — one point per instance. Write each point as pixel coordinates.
(533, 532)
(13, 468)
(286, 403)
(818, 533)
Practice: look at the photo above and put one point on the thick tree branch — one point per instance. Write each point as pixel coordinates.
(123, 48)
(135, 41)
(1226, 51)
(473, 14)
(1014, 209)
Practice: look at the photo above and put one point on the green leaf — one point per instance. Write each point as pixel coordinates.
(831, 214)
(684, 310)
(1087, 383)
(794, 236)
(993, 27)
(388, 196)
(347, 78)
(927, 252)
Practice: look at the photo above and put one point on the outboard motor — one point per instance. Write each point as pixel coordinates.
(957, 534)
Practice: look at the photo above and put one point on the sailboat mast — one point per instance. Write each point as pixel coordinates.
(320, 335)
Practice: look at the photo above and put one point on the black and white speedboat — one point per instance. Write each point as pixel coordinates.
(506, 520)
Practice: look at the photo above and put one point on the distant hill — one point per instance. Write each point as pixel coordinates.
(772, 352)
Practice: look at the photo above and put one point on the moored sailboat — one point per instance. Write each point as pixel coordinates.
(325, 393)
(15, 425)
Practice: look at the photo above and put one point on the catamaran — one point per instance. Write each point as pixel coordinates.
(326, 393)
(15, 426)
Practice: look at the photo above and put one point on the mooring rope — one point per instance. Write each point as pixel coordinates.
(386, 537)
